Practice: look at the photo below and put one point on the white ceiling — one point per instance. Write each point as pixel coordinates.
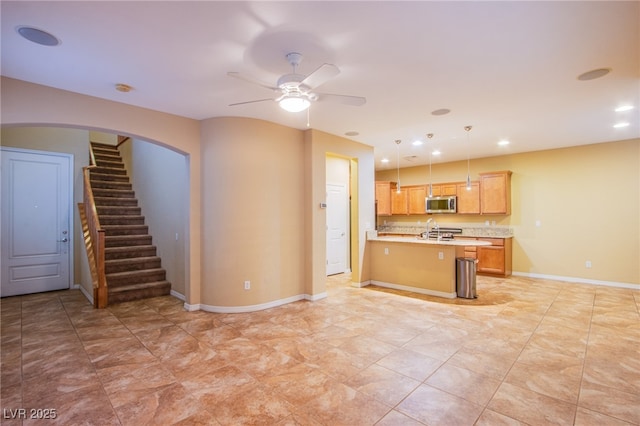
(509, 69)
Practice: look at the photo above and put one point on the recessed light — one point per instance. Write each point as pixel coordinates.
(435, 152)
(441, 111)
(38, 36)
(384, 160)
(351, 133)
(620, 125)
(593, 74)
(504, 142)
(417, 143)
(624, 108)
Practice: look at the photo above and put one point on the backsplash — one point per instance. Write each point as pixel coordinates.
(468, 229)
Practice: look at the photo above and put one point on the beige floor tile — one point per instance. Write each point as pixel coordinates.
(342, 405)
(435, 407)
(411, 364)
(464, 383)
(610, 401)
(530, 407)
(383, 384)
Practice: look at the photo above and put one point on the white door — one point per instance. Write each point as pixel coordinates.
(337, 219)
(36, 206)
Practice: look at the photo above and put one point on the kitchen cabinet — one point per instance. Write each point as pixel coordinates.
(399, 201)
(409, 200)
(442, 189)
(416, 198)
(495, 192)
(383, 197)
(496, 258)
(468, 199)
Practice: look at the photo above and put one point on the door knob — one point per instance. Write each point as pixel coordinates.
(64, 240)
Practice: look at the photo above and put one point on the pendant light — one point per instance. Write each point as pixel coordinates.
(468, 129)
(429, 136)
(398, 142)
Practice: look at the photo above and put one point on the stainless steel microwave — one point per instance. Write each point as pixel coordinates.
(445, 204)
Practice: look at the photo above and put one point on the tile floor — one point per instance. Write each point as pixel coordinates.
(527, 352)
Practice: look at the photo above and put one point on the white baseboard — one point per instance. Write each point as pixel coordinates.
(84, 291)
(253, 308)
(578, 280)
(177, 295)
(415, 289)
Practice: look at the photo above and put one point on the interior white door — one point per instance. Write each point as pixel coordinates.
(36, 207)
(337, 220)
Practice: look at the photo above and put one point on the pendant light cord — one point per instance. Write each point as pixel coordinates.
(398, 141)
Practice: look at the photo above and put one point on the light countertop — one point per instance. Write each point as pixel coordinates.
(416, 240)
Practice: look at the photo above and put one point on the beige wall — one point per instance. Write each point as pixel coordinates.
(70, 141)
(253, 212)
(586, 198)
(27, 104)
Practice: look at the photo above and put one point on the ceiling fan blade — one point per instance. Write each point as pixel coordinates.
(321, 75)
(343, 99)
(252, 102)
(250, 80)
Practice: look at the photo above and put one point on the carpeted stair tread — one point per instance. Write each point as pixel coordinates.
(119, 210)
(139, 291)
(132, 264)
(115, 201)
(118, 279)
(113, 230)
(129, 252)
(127, 240)
(121, 220)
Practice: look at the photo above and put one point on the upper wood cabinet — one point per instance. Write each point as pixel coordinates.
(416, 196)
(495, 192)
(399, 201)
(468, 199)
(383, 197)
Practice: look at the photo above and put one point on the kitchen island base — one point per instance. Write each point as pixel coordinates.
(426, 267)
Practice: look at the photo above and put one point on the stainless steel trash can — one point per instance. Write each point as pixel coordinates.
(466, 277)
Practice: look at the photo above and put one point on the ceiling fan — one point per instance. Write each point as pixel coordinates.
(296, 90)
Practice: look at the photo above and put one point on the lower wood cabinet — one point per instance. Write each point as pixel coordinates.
(496, 258)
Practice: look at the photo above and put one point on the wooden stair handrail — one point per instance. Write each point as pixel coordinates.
(96, 243)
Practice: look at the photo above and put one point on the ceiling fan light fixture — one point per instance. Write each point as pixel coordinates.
(294, 103)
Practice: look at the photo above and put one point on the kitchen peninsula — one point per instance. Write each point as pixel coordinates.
(419, 265)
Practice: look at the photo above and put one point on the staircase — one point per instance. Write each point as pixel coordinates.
(133, 270)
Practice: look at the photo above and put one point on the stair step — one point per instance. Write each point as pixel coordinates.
(139, 291)
(119, 210)
(115, 201)
(112, 230)
(132, 264)
(107, 155)
(108, 171)
(106, 184)
(110, 164)
(106, 220)
(108, 177)
(103, 145)
(118, 279)
(127, 240)
(113, 193)
(128, 252)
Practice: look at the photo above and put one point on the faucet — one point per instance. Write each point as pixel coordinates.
(434, 224)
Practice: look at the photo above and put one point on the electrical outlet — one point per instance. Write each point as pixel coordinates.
(588, 264)
(441, 255)
(386, 250)
(247, 285)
